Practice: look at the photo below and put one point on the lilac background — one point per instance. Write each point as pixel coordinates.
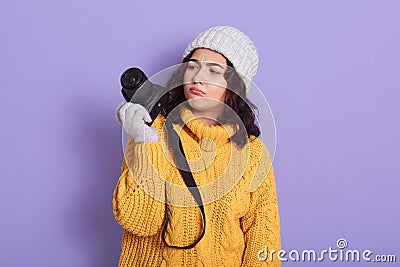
(330, 70)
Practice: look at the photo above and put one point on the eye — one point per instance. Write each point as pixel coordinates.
(192, 66)
(216, 72)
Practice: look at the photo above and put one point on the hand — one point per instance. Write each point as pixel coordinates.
(132, 117)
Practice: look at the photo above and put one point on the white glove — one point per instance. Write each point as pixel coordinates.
(132, 117)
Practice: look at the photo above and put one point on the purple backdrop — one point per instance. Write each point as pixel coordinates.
(330, 70)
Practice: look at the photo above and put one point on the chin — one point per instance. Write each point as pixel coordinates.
(198, 104)
(204, 107)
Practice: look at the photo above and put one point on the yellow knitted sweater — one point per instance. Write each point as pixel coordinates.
(237, 187)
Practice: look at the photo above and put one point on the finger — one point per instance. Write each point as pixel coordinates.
(145, 114)
(148, 117)
(122, 112)
(142, 114)
(117, 112)
(120, 106)
(130, 112)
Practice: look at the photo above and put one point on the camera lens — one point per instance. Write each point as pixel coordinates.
(132, 78)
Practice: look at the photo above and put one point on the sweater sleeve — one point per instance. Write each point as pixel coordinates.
(261, 224)
(138, 197)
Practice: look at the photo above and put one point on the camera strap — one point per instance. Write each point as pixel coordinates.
(184, 169)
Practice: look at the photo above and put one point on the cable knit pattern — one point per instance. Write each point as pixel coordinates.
(241, 208)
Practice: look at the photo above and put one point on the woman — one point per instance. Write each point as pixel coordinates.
(237, 216)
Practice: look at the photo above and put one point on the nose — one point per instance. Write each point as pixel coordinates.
(199, 76)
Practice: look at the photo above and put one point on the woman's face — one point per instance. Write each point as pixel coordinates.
(204, 84)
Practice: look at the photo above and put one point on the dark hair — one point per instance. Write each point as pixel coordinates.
(235, 98)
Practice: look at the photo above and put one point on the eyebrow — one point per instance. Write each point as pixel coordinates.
(207, 63)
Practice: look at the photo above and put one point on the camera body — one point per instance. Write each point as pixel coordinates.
(137, 88)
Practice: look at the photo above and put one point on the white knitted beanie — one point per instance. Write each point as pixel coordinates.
(234, 45)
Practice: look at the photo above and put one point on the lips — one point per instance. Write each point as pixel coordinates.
(196, 91)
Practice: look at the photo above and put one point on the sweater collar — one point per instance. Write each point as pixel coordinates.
(218, 134)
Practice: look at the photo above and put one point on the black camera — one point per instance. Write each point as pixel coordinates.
(137, 88)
